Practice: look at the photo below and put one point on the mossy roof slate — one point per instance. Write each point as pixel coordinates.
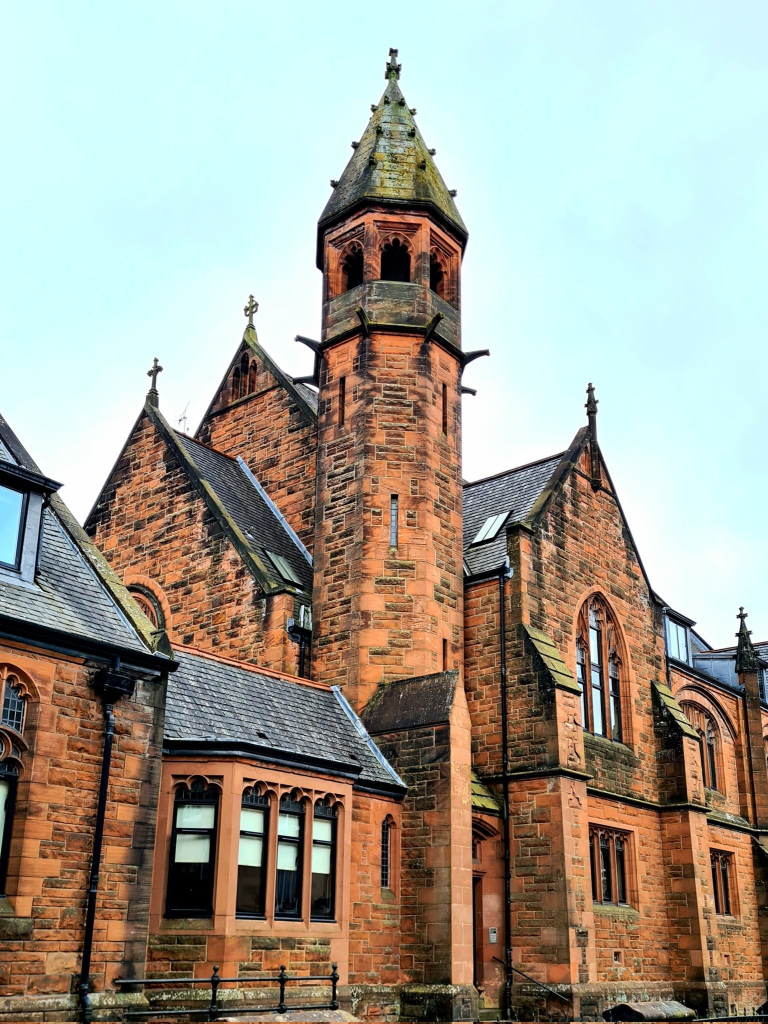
(482, 798)
(669, 701)
(391, 165)
(552, 659)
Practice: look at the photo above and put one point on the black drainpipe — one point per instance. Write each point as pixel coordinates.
(113, 686)
(504, 575)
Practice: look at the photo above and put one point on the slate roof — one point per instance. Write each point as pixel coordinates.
(247, 507)
(224, 705)
(308, 394)
(411, 703)
(74, 592)
(515, 491)
(391, 165)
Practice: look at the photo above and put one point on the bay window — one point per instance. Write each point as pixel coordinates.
(252, 854)
(193, 852)
(323, 861)
(290, 835)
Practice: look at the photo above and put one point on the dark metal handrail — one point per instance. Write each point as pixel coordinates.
(212, 1011)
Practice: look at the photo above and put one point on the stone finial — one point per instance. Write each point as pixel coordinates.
(591, 404)
(594, 448)
(393, 68)
(746, 658)
(252, 307)
(152, 394)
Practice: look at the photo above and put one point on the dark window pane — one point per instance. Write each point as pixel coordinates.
(605, 870)
(288, 894)
(323, 850)
(711, 759)
(598, 724)
(193, 853)
(621, 873)
(251, 860)
(726, 888)
(715, 889)
(11, 504)
(385, 840)
(395, 262)
(594, 870)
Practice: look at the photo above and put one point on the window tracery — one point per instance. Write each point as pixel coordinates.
(438, 277)
(148, 603)
(395, 261)
(709, 742)
(599, 669)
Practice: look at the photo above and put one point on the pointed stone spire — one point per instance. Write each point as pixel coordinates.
(746, 657)
(594, 449)
(391, 165)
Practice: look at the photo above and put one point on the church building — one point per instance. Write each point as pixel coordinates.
(442, 737)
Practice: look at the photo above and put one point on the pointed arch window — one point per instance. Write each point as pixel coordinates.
(395, 261)
(598, 669)
(437, 275)
(253, 373)
(14, 705)
(242, 390)
(352, 268)
(709, 742)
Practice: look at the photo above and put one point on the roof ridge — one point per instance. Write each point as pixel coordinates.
(514, 469)
(255, 669)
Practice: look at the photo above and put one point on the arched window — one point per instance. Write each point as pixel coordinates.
(323, 861)
(253, 373)
(252, 854)
(709, 742)
(395, 261)
(243, 376)
(149, 604)
(13, 705)
(598, 667)
(235, 384)
(193, 851)
(437, 275)
(352, 268)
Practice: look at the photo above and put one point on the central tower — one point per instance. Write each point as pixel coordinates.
(388, 552)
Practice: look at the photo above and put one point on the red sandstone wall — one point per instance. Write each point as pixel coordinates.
(151, 522)
(383, 612)
(272, 434)
(52, 838)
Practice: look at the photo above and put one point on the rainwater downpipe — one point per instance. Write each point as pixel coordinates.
(83, 988)
(505, 573)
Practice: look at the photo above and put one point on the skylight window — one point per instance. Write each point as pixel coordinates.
(490, 528)
(284, 568)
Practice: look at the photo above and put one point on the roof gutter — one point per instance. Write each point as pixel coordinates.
(80, 647)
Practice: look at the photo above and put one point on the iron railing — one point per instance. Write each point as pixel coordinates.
(214, 1009)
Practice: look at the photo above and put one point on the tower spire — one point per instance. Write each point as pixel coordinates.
(391, 165)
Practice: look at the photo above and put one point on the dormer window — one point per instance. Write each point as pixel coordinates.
(23, 496)
(677, 640)
(11, 518)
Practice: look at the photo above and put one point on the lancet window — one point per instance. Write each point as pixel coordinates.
(598, 668)
(395, 261)
(709, 742)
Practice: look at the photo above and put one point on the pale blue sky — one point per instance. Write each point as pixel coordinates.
(162, 160)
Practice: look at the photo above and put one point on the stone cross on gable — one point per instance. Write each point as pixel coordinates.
(250, 308)
(742, 614)
(156, 368)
